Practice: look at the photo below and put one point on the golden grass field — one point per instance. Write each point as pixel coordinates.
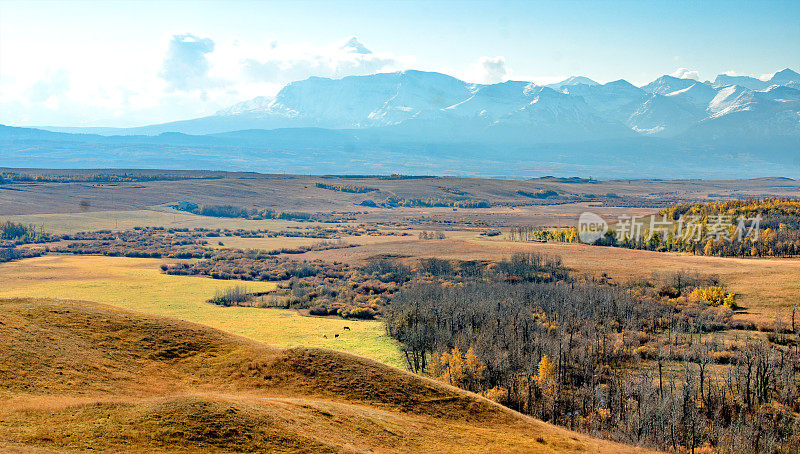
(137, 284)
(79, 376)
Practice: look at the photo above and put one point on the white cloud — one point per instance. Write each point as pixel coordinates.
(685, 73)
(186, 65)
(488, 70)
(191, 76)
(283, 63)
(50, 88)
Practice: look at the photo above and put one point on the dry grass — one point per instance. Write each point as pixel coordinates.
(82, 376)
(137, 284)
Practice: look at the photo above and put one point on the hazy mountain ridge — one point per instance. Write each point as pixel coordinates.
(412, 121)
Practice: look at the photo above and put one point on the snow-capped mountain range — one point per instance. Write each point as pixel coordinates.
(430, 107)
(437, 105)
(423, 122)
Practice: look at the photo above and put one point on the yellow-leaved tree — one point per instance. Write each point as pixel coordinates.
(464, 370)
(546, 374)
(546, 381)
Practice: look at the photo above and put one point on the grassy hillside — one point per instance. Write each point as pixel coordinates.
(81, 376)
(138, 284)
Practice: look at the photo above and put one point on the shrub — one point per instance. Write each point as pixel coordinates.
(646, 352)
(714, 295)
(730, 301)
(669, 291)
(497, 394)
(359, 312)
(723, 357)
(231, 296)
(8, 254)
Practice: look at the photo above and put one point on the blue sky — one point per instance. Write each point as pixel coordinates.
(130, 63)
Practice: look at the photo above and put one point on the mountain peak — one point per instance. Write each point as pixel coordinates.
(355, 46)
(622, 83)
(573, 80)
(784, 77)
(786, 71)
(668, 84)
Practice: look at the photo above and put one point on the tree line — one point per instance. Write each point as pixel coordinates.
(345, 188)
(230, 211)
(721, 232)
(16, 177)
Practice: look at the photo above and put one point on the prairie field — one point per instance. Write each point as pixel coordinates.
(137, 284)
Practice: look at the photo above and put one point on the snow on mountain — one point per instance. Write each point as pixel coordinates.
(362, 101)
(255, 105)
(668, 84)
(742, 114)
(780, 93)
(574, 80)
(615, 100)
(748, 82)
(663, 116)
(727, 97)
(674, 106)
(492, 102)
(552, 116)
(419, 95)
(737, 99)
(787, 76)
(698, 95)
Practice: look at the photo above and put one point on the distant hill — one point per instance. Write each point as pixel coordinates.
(100, 378)
(419, 149)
